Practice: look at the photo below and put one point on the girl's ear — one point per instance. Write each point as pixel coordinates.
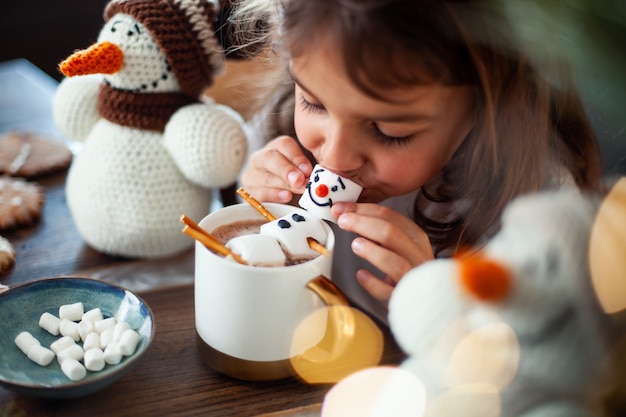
(225, 30)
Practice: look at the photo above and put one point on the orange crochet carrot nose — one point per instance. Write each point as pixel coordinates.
(100, 58)
(484, 278)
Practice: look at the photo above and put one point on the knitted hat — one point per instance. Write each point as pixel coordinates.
(184, 30)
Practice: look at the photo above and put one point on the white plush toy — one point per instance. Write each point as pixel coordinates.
(152, 149)
(518, 328)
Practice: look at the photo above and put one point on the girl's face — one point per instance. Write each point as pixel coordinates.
(390, 146)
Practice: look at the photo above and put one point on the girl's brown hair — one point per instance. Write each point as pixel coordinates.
(527, 128)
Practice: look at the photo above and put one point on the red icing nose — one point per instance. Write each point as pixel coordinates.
(321, 190)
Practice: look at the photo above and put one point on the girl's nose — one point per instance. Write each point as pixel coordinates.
(340, 150)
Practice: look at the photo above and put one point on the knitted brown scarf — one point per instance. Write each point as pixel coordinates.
(150, 111)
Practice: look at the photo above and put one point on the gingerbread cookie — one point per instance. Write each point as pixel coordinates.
(28, 155)
(20, 202)
(7, 256)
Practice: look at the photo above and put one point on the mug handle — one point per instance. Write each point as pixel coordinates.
(341, 322)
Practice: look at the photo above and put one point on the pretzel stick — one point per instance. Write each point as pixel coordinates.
(256, 204)
(313, 244)
(317, 246)
(193, 230)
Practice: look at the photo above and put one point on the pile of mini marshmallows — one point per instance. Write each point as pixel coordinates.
(104, 340)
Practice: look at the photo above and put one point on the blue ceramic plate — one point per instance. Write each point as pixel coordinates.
(20, 309)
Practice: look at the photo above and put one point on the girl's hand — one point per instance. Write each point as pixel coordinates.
(390, 241)
(277, 171)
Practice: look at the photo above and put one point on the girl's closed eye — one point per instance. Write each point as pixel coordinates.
(309, 107)
(388, 139)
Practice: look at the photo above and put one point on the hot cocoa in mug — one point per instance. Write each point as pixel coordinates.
(248, 318)
(229, 231)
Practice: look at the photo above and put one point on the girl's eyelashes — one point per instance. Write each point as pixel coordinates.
(312, 108)
(309, 107)
(390, 140)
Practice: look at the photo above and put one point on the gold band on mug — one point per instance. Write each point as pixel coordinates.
(242, 368)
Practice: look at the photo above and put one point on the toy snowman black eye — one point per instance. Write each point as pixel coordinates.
(113, 29)
(131, 33)
(553, 264)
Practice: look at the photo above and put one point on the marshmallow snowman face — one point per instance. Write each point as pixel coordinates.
(326, 188)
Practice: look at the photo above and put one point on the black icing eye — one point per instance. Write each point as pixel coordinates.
(284, 224)
(334, 188)
(298, 218)
(317, 177)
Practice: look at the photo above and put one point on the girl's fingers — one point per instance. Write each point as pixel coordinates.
(378, 289)
(392, 264)
(277, 171)
(388, 240)
(389, 229)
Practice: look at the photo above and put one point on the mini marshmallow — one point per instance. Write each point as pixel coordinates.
(73, 369)
(71, 352)
(94, 314)
(112, 354)
(61, 344)
(101, 325)
(91, 341)
(326, 188)
(85, 327)
(69, 328)
(292, 232)
(128, 342)
(106, 337)
(73, 312)
(94, 359)
(26, 341)
(40, 355)
(258, 250)
(119, 329)
(50, 323)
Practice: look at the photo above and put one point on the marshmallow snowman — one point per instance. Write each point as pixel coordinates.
(293, 230)
(326, 188)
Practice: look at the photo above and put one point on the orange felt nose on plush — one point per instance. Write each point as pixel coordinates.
(100, 58)
(484, 278)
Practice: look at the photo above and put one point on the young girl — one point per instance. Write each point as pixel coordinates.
(431, 102)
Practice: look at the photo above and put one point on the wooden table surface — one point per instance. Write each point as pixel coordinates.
(171, 379)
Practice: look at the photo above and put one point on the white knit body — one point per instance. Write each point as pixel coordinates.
(126, 194)
(128, 187)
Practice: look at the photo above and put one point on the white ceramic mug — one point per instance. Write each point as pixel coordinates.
(248, 317)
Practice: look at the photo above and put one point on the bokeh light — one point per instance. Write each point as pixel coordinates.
(488, 355)
(471, 400)
(477, 349)
(607, 250)
(376, 392)
(352, 342)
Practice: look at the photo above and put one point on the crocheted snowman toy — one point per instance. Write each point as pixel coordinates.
(153, 149)
(515, 329)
